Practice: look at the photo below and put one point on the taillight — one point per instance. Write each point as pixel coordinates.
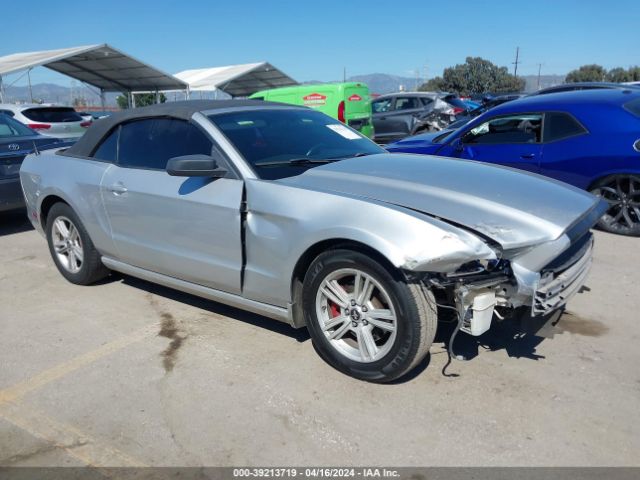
(38, 126)
(85, 124)
(341, 112)
(457, 110)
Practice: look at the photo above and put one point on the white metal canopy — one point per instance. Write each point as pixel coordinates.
(102, 66)
(236, 80)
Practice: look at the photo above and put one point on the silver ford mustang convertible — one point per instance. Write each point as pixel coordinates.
(283, 211)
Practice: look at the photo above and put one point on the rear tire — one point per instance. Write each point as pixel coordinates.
(622, 193)
(365, 319)
(71, 248)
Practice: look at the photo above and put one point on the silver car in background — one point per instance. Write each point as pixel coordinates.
(284, 211)
(49, 120)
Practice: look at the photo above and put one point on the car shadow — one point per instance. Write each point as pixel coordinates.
(15, 221)
(298, 334)
(518, 335)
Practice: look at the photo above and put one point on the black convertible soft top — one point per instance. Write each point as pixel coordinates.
(183, 110)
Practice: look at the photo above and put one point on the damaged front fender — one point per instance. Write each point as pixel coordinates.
(448, 252)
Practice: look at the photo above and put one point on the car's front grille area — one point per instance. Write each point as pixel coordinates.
(563, 277)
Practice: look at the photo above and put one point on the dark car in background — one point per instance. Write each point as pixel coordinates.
(572, 87)
(397, 115)
(588, 138)
(16, 141)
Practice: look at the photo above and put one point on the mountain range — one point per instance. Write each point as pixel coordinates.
(378, 83)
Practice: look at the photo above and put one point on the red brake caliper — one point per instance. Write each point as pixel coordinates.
(335, 311)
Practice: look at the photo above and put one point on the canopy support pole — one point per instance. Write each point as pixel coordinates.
(30, 90)
(102, 99)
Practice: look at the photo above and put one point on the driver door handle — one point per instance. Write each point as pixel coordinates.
(528, 155)
(117, 188)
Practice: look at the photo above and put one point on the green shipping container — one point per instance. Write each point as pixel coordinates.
(348, 102)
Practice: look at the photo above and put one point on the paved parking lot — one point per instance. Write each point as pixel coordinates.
(128, 373)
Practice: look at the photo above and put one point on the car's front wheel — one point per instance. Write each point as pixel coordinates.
(71, 248)
(622, 193)
(364, 318)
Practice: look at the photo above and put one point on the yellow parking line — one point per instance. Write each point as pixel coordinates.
(54, 373)
(88, 450)
(66, 437)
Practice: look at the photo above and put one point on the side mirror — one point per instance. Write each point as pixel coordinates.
(195, 166)
(457, 145)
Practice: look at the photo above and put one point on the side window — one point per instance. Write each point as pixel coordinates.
(407, 103)
(426, 101)
(560, 125)
(522, 128)
(381, 106)
(151, 143)
(8, 112)
(108, 148)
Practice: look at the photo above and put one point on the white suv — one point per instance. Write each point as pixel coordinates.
(50, 120)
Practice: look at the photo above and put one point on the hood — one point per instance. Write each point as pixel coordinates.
(513, 208)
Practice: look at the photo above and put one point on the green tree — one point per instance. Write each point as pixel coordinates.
(432, 85)
(587, 73)
(142, 100)
(619, 75)
(634, 74)
(475, 76)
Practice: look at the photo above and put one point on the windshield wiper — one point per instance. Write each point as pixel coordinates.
(294, 161)
(354, 155)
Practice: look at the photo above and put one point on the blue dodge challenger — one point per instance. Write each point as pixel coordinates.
(589, 138)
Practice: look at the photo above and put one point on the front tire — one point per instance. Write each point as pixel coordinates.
(72, 250)
(364, 318)
(622, 193)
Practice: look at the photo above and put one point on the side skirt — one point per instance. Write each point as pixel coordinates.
(271, 311)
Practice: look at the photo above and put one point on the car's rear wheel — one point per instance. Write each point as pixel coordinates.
(365, 319)
(622, 193)
(71, 248)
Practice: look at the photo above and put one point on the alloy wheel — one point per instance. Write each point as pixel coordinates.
(67, 244)
(622, 193)
(356, 314)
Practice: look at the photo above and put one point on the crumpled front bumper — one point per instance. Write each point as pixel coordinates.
(549, 288)
(556, 287)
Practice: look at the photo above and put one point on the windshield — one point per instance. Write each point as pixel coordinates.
(441, 138)
(13, 128)
(280, 143)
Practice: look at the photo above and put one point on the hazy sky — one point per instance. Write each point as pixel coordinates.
(314, 40)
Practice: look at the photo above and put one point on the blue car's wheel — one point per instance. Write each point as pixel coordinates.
(622, 193)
